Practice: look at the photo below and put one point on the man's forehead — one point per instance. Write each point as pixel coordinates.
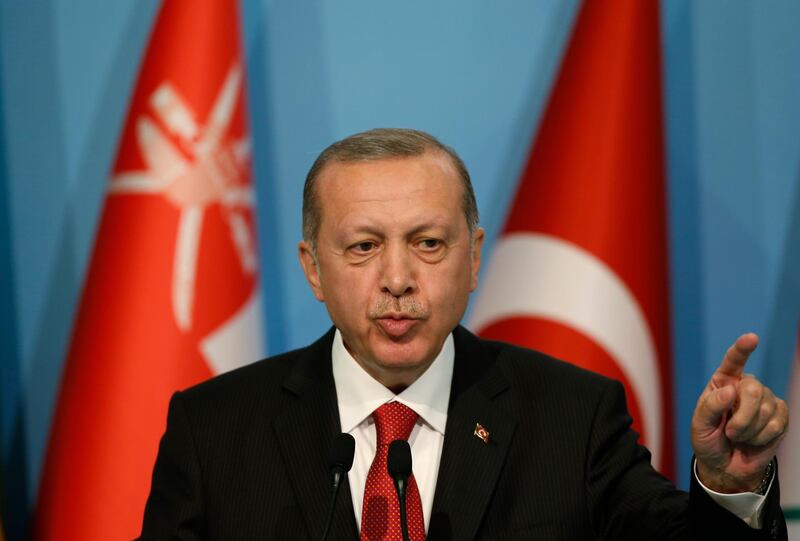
(431, 162)
(399, 195)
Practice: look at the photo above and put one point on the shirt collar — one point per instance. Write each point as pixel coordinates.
(359, 394)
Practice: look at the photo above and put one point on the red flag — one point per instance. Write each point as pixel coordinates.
(172, 293)
(580, 270)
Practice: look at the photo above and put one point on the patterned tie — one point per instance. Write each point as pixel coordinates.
(380, 516)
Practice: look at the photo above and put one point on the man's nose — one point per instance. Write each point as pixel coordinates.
(397, 273)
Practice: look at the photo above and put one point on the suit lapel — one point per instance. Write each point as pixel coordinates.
(470, 467)
(305, 431)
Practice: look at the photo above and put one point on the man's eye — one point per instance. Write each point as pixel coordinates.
(364, 247)
(430, 244)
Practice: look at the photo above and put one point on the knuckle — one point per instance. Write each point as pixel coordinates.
(775, 427)
(734, 427)
(754, 391)
(732, 434)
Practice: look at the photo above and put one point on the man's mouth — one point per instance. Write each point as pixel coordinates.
(396, 327)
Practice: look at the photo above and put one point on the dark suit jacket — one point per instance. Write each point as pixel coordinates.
(244, 456)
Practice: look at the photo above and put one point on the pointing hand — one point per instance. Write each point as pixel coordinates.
(737, 425)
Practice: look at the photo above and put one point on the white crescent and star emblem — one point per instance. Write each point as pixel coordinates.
(547, 277)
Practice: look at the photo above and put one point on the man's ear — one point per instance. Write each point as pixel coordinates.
(477, 245)
(310, 268)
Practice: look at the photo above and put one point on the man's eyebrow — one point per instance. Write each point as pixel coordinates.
(361, 229)
(427, 226)
(365, 227)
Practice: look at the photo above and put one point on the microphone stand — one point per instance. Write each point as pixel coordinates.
(400, 486)
(337, 478)
(340, 461)
(399, 466)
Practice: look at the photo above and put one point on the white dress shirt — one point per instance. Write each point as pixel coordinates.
(358, 394)
(745, 505)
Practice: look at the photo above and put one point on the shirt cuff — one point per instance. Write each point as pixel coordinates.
(745, 505)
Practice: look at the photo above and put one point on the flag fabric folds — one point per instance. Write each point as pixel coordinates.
(580, 269)
(789, 458)
(172, 291)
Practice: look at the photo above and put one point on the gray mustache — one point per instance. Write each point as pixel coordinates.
(390, 305)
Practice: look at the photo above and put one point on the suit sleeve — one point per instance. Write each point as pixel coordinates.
(174, 509)
(630, 500)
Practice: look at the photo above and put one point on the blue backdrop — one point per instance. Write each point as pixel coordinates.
(476, 74)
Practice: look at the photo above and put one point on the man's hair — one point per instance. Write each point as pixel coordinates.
(381, 144)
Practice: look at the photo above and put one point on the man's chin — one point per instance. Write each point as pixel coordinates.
(402, 356)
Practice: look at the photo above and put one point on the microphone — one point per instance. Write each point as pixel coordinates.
(340, 460)
(398, 462)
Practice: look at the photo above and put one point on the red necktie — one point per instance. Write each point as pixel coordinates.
(380, 515)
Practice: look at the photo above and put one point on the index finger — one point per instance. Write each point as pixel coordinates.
(733, 362)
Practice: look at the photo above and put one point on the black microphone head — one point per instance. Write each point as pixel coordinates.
(398, 461)
(342, 451)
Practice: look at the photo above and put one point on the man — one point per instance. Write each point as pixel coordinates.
(507, 443)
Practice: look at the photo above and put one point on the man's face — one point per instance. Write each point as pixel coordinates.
(395, 263)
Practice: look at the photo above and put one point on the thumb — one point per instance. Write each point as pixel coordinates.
(715, 405)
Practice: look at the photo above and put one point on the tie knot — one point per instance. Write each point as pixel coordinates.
(393, 421)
